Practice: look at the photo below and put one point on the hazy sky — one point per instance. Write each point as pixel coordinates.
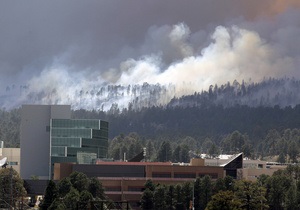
(71, 43)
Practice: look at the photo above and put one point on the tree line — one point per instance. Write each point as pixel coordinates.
(258, 132)
(269, 92)
(277, 192)
(73, 192)
(277, 146)
(197, 122)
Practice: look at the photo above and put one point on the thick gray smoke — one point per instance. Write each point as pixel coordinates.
(55, 53)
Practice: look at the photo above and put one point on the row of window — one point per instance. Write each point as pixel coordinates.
(75, 123)
(183, 175)
(82, 132)
(100, 133)
(130, 188)
(68, 142)
(61, 151)
(78, 142)
(69, 132)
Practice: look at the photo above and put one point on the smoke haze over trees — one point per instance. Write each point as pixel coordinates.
(116, 98)
(260, 119)
(181, 47)
(167, 70)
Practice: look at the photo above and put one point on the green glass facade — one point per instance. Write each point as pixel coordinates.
(78, 141)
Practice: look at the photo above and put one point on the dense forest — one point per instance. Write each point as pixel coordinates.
(258, 132)
(269, 92)
(226, 119)
(10, 127)
(261, 131)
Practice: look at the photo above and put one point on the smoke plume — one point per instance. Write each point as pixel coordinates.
(53, 62)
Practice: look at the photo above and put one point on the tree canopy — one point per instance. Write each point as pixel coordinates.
(73, 192)
(11, 188)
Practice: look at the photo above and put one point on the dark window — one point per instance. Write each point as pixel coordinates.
(184, 175)
(161, 175)
(135, 189)
(114, 189)
(212, 175)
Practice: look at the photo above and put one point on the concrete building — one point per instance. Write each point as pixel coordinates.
(35, 138)
(49, 135)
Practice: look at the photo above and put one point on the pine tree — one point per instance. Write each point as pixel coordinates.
(50, 195)
(147, 201)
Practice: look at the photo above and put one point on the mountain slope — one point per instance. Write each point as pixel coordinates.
(270, 92)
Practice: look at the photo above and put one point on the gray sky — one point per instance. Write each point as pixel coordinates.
(134, 41)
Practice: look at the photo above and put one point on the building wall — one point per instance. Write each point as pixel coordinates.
(13, 157)
(111, 170)
(62, 170)
(124, 181)
(184, 172)
(35, 138)
(253, 173)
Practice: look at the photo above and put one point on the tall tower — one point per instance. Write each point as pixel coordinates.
(49, 136)
(35, 138)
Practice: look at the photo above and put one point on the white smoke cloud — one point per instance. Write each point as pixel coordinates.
(171, 54)
(234, 53)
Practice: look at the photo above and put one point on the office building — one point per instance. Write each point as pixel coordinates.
(78, 141)
(124, 181)
(49, 135)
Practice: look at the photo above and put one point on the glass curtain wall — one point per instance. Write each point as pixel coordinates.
(78, 141)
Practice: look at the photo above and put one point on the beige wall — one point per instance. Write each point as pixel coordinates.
(13, 157)
(253, 173)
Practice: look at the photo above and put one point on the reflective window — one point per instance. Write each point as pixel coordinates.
(58, 151)
(68, 142)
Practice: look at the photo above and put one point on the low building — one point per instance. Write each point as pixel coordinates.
(12, 155)
(124, 181)
(254, 168)
(251, 169)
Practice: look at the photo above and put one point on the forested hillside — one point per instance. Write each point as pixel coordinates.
(270, 92)
(182, 131)
(10, 127)
(261, 131)
(213, 121)
(117, 98)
